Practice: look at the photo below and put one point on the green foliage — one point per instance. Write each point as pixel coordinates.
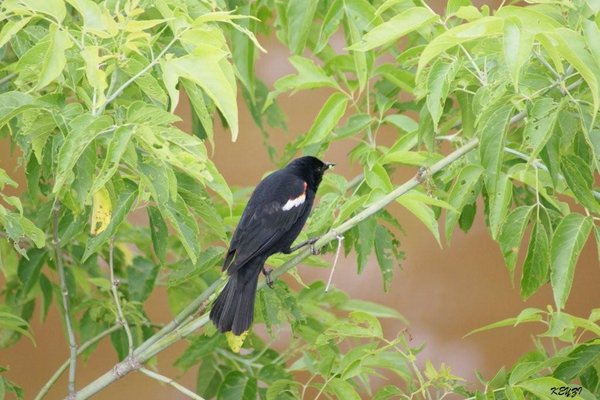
(87, 94)
(572, 358)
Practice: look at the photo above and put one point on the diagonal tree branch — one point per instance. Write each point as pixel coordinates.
(180, 327)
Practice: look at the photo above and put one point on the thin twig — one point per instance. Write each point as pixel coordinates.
(65, 298)
(125, 85)
(340, 239)
(44, 390)
(7, 78)
(169, 381)
(114, 285)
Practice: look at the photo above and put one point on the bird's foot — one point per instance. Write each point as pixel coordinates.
(311, 245)
(267, 273)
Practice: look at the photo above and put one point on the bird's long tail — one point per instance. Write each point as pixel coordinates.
(234, 308)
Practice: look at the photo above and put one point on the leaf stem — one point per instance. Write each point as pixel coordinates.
(125, 85)
(65, 299)
(7, 78)
(169, 381)
(114, 285)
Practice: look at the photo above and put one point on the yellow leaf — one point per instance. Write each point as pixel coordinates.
(101, 211)
(235, 342)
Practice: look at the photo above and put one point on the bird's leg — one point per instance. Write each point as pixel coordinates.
(310, 242)
(267, 273)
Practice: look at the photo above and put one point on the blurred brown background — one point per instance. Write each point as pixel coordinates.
(444, 293)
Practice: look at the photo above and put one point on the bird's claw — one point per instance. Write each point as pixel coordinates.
(311, 245)
(267, 273)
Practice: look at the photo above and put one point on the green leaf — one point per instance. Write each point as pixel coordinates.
(15, 323)
(17, 226)
(159, 179)
(82, 131)
(201, 348)
(13, 103)
(531, 20)
(384, 250)
(185, 270)
(512, 234)
(237, 386)
(327, 119)
(184, 224)
(209, 378)
(96, 18)
(95, 75)
(116, 148)
(218, 184)
(465, 100)
(378, 178)
(46, 60)
(439, 79)
(583, 357)
(499, 203)
(491, 149)
(517, 48)
(54, 8)
(542, 387)
(540, 125)
(200, 108)
(398, 26)
(365, 242)
(355, 124)
(565, 248)
(127, 196)
(30, 268)
(331, 22)
(300, 17)
(527, 315)
(158, 232)
(141, 275)
(464, 191)
(216, 78)
(47, 290)
(537, 262)
(416, 158)
(402, 122)
(11, 28)
(454, 5)
(571, 46)
(309, 76)
(147, 83)
(467, 217)
(578, 175)
(423, 212)
(342, 389)
(374, 309)
(283, 389)
(481, 28)
(591, 34)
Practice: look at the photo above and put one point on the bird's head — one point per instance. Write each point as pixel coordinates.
(311, 169)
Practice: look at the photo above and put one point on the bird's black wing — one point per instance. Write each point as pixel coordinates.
(277, 203)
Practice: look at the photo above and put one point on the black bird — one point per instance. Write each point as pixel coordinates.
(272, 220)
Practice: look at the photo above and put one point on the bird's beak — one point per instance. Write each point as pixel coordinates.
(329, 165)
